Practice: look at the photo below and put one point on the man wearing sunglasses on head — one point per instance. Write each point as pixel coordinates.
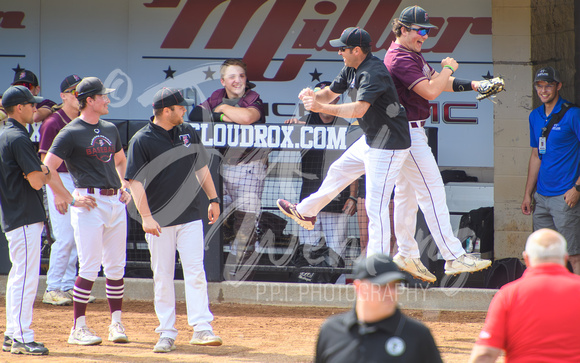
(419, 181)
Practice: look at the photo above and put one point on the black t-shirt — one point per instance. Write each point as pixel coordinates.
(385, 123)
(21, 204)
(89, 153)
(315, 164)
(395, 339)
(165, 163)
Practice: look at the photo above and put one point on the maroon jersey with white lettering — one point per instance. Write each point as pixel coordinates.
(89, 153)
(407, 69)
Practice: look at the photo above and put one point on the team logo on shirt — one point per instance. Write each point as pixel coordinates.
(185, 139)
(395, 346)
(102, 148)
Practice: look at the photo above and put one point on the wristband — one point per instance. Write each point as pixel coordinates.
(72, 204)
(215, 200)
(222, 117)
(353, 198)
(461, 85)
(47, 171)
(450, 68)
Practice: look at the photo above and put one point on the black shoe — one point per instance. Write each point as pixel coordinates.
(7, 345)
(32, 348)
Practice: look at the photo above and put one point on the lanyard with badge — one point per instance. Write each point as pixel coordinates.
(542, 144)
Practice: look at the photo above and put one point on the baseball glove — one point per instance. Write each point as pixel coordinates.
(490, 88)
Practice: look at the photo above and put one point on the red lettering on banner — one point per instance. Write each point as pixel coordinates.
(188, 22)
(455, 29)
(11, 19)
(311, 32)
(269, 38)
(380, 19)
(235, 19)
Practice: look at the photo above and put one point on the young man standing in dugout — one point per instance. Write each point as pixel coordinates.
(167, 165)
(94, 156)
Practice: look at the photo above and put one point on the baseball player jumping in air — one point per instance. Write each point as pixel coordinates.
(420, 180)
(166, 166)
(22, 176)
(379, 153)
(94, 156)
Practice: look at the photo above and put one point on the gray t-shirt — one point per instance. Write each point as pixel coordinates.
(89, 153)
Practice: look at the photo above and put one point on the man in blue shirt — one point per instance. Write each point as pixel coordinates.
(554, 168)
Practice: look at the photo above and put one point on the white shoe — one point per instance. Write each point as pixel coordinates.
(83, 336)
(56, 297)
(415, 267)
(164, 345)
(117, 333)
(205, 337)
(69, 294)
(466, 263)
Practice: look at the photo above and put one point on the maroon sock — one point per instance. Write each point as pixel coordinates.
(115, 289)
(81, 293)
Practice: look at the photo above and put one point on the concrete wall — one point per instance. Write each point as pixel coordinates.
(527, 35)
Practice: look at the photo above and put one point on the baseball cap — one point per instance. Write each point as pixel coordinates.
(91, 86)
(18, 95)
(378, 269)
(69, 82)
(25, 76)
(167, 97)
(353, 37)
(415, 15)
(547, 74)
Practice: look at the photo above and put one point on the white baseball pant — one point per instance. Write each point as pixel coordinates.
(420, 182)
(62, 269)
(22, 284)
(188, 240)
(244, 184)
(100, 236)
(382, 168)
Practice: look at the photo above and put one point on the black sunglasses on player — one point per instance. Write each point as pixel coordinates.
(342, 49)
(421, 31)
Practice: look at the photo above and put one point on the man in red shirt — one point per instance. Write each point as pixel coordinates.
(535, 318)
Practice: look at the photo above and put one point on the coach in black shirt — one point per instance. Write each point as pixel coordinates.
(22, 176)
(375, 330)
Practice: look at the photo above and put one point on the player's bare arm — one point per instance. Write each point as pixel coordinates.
(484, 354)
(38, 178)
(204, 178)
(440, 82)
(121, 166)
(347, 110)
(533, 170)
(323, 96)
(148, 223)
(349, 207)
(62, 197)
(239, 115)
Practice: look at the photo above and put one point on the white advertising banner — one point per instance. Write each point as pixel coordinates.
(137, 47)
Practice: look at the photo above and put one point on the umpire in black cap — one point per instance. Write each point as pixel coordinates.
(375, 330)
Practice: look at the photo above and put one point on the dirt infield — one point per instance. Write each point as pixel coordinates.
(251, 333)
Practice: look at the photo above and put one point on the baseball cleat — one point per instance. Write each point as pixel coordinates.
(466, 263)
(289, 209)
(7, 345)
(83, 336)
(205, 337)
(117, 333)
(415, 267)
(32, 348)
(56, 297)
(164, 345)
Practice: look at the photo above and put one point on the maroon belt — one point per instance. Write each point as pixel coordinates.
(109, 192)
(417, 124)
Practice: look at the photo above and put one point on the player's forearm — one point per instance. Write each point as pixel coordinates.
(52, 162)
(345, 110)
(533, 171)
(121, 167)
(204, 178)
(239, 115)
(140, 198)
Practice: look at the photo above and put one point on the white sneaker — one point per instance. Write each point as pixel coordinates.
(205, 337)
(164, 345)
(466, 263)
(56, 297)
(69, 294)
(117, 333)
(83, 336)
(415, 267)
